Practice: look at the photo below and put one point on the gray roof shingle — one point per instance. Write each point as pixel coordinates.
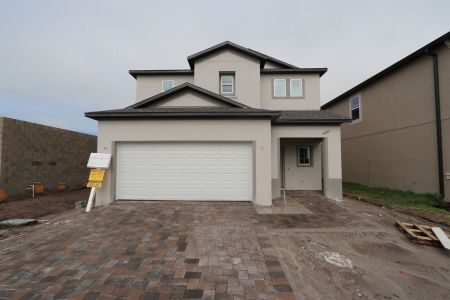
(309, 116)
(278, 117)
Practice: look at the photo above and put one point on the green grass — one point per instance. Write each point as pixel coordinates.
(421, 205)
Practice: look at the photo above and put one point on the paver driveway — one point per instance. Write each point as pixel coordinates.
(146, 250)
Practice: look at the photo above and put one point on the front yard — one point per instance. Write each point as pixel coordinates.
(42, 205)
(222, 250)
(420, 205)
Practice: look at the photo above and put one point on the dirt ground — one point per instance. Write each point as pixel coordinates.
(42, 205)
(379, 263)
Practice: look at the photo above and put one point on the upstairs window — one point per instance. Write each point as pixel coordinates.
(355, 108)
(296, 88)
(279, 87)
(303, 156)
(288, 88)
(227, 84)
(167, 85)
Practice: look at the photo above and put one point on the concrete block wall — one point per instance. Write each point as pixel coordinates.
(32, 152)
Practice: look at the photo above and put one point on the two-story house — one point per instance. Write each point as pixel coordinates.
(238, 125)
(399, 136)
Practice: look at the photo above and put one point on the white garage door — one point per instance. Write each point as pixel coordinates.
(184, 171)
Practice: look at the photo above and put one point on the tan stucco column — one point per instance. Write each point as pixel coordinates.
(332, 166)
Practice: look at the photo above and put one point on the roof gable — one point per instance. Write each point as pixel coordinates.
(247, 51)
(178, 93)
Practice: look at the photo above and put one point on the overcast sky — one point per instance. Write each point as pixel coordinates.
(59, 59)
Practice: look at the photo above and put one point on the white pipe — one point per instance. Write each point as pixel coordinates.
(31, 187)
(91, 200)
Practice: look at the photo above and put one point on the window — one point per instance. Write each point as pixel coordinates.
(167, 85)
(279, 87)
(303, 156)
(355, 108)
(296, 88)
(227, 84)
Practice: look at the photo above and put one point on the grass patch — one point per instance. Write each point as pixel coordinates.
(421, 205)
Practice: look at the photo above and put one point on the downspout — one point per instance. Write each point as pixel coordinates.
(437, 104)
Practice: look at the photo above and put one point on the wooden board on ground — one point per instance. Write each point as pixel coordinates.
(420, 234)
(442, 237)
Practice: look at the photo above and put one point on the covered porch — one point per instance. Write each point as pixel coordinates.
(306, 158)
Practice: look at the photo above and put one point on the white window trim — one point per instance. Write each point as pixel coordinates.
(285, 88)
(351, 109)
(290, 87)
(309, 155)
(162, 84)
(222, 85)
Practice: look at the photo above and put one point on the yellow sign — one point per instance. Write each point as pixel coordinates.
(96, 184)
(97, 175)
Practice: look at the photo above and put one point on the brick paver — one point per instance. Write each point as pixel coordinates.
(152, 250)
(155, 250)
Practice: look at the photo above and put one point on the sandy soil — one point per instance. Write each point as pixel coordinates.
(363, 264)
(42, 205)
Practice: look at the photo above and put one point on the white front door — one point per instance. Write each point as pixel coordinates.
(184, 171)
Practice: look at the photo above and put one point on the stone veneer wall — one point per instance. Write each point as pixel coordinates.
(32, 152)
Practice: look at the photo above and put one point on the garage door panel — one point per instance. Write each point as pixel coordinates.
(185, 185)
(184, 171)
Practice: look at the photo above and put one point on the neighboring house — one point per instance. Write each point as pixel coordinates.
(237, 126)
(400, 133)
(32, 152)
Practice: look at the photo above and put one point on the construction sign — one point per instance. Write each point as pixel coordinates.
(96, 177)
(94, 184)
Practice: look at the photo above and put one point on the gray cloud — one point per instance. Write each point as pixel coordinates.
(60, 59)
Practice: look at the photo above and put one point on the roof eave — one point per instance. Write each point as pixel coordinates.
(311, 122)
(404, 61)
(184, 86)
(193, 115)
(319, 71)
(136, 73)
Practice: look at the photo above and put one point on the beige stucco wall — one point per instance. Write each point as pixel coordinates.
(188, 98)
(256, 131)
(302, 177)
(251, 88)
(269, 65)
(331, 143)
(395, 143)
(247, 75)
(311, 91)
(150, 85)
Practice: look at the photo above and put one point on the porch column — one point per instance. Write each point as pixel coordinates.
(332, 166)
(275, 166)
